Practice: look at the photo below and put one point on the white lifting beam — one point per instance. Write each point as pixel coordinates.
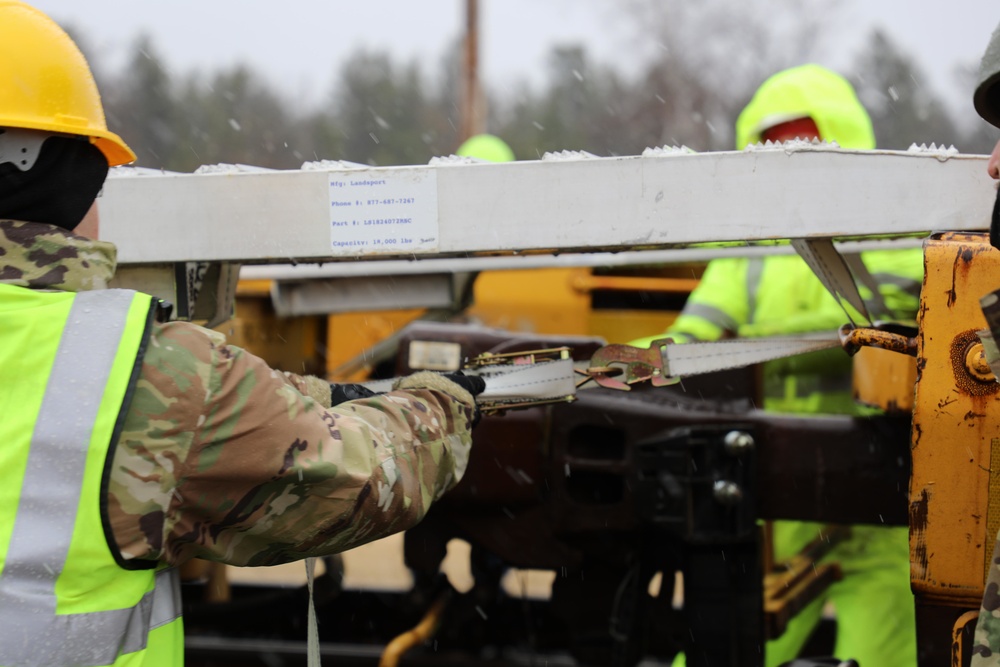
(329, 212)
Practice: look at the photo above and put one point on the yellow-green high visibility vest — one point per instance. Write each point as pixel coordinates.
(68, 365)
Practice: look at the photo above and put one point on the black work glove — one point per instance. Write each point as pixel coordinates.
(473, 384)
(341, 393)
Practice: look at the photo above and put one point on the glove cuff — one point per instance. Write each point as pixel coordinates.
(432, 380)
(318, 390)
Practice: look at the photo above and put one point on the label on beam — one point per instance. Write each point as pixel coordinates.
(385, 211)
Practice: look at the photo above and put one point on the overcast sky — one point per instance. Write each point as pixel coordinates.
(298, 44)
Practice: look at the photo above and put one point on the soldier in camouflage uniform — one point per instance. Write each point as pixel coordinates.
(262, 470)
(986, 646)
(212, 454)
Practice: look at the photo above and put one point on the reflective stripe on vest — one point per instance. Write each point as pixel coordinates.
(716, 316)
(31, 631)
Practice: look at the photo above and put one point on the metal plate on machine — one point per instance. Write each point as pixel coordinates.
(346, 295)
(435, 356)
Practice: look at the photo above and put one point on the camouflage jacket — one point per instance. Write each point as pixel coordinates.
(223, 458)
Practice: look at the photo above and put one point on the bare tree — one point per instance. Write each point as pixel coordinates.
(142, 105)
(903, 106)
(707, 58)
(385, 111)
(233, 116)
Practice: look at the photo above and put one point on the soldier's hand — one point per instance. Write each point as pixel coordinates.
(341, 393)
(473, 384)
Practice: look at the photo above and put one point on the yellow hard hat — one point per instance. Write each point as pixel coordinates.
(46, 84)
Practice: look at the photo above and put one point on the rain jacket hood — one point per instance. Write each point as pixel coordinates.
(807, 91)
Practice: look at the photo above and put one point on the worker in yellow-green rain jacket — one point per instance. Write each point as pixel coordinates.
(779, 294)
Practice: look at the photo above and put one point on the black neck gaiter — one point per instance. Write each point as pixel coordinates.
(59, 188)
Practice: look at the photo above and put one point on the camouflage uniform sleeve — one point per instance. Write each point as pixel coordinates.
(223, 458)
(986, 642)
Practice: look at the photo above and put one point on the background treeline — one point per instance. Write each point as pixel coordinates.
(706, 59)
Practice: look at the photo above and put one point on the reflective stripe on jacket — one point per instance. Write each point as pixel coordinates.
(68, 364)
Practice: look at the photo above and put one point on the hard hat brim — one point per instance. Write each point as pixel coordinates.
(115, 150)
